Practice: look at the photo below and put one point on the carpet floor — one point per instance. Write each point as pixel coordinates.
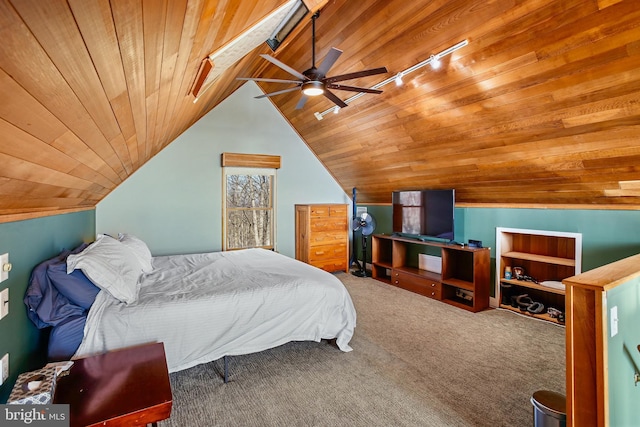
(415, 362)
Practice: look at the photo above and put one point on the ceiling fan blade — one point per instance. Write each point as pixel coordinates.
(353, 88)
(328, 61)
(332, 96)
(258, 79)
(291, 89)
(285, 67)
(356, 75)
(303, 100)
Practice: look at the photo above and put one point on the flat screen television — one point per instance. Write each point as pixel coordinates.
(424, 214)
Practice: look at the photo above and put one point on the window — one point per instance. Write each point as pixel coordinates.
(248, 200)
(248, 206)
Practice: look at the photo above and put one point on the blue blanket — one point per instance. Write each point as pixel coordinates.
(57, 307)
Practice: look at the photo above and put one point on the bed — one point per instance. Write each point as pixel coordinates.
(203, 307)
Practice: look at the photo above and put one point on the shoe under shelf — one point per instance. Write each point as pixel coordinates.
(542, 316)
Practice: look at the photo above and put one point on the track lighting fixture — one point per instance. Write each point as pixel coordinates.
(434, 60)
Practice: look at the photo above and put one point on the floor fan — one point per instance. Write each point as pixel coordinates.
(364, 223)
(354, 256)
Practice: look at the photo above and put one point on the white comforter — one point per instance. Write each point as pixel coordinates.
(205, 306)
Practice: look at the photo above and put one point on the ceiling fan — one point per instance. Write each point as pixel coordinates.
(314, 81)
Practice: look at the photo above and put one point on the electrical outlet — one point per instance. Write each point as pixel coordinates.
(5, 267)
(4, 368)
(4, 302)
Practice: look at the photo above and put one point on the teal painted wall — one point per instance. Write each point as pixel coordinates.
(607, 235)
(623, 355)
(28, 243)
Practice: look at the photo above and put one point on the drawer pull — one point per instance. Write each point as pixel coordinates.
(433, 285)
(397, 281)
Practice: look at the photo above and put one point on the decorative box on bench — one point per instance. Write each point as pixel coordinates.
(37, 387)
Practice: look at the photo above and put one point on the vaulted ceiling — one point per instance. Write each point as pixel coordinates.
(541, 108)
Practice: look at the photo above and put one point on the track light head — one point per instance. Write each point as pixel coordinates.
(435, 62)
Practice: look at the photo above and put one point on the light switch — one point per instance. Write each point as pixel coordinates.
(614, 321)
(4, 302)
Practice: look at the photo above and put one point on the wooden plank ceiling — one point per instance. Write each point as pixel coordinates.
(542, 108)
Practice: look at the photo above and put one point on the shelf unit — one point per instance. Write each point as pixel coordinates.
(544, 256)
(463, 282)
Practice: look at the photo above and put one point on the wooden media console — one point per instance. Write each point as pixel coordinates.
(464, 280)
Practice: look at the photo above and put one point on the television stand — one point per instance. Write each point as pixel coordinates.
(464, 281)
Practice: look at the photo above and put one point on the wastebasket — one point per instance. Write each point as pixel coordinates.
(549, 409)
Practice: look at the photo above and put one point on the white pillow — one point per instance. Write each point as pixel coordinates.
(111, 266)
(139, 248)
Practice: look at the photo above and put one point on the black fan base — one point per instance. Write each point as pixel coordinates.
(361, 273)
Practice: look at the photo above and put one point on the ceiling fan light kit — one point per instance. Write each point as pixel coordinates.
(313, 88)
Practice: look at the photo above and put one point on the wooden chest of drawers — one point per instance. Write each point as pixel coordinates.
(322, 236)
